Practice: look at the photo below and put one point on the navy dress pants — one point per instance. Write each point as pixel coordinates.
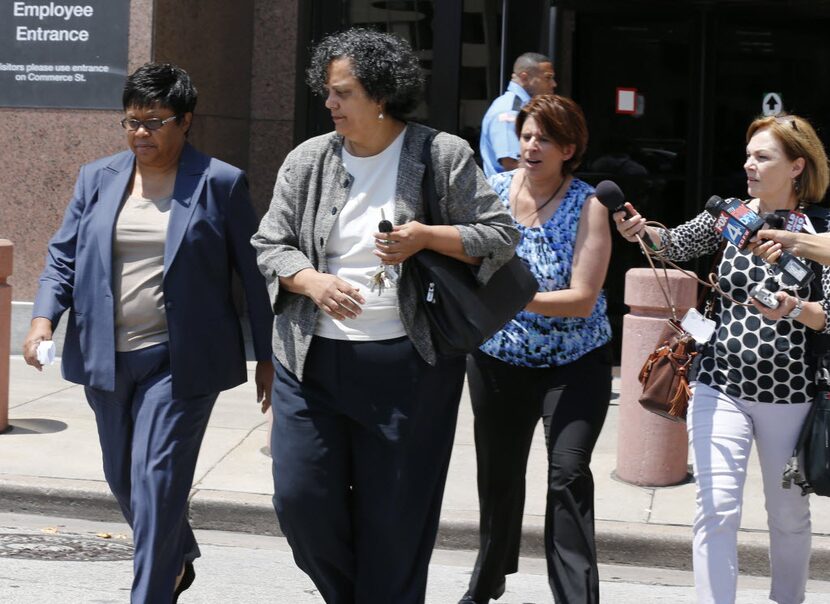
(360, 452)
(508, 401)
(150, 442)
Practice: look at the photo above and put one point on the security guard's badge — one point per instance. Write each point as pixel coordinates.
(507, 116)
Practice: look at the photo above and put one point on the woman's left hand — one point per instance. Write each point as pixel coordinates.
(404, 241)
(786, 303)
(264, 378)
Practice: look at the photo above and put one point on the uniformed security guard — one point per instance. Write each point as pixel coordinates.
(499, 146)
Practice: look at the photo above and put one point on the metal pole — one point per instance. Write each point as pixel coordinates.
(552, 33)
(6, 256)
(503, 53)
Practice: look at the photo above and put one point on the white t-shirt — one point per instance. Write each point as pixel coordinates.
(350, 246)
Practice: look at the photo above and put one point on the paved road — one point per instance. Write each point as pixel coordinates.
(50, 463)
(249, 569)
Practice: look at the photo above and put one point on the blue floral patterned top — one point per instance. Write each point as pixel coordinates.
(533, 340)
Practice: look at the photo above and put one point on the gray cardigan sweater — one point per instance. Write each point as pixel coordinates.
(312, 186)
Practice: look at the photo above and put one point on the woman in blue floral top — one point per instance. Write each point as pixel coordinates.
(552, 361)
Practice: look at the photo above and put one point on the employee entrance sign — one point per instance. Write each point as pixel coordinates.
(63, 54)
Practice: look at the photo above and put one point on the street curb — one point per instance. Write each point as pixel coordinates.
(84, 499)
(232, 511)
(623, 543)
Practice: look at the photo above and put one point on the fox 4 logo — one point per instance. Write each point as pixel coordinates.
(736, 234)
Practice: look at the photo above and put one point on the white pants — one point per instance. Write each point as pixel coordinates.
(721, 429)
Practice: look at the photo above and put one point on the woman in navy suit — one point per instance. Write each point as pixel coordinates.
(143, 264)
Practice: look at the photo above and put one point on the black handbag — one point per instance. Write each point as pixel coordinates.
(809, 466)
(462, 313)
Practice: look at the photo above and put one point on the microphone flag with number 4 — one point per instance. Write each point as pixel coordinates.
(734, 220)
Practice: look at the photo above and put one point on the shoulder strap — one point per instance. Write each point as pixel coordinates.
(432, 213)
(818, 344)
(707, 298)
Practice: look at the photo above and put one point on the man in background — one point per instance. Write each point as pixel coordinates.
(499, 146)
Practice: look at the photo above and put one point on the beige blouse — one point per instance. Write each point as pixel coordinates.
(138, 269)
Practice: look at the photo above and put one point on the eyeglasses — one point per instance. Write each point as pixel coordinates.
(787, 120)
(152, 124)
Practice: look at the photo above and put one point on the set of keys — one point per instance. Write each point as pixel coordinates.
(386, 275)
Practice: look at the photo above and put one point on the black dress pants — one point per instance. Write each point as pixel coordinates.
(361, 448)
(508, 401)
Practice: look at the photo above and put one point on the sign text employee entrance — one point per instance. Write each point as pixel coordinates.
(63, 54)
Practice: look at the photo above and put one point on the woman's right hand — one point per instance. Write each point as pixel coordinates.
(41, 329)
(630, 228)
(334, 296)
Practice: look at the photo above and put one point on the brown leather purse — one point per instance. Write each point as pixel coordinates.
(665, 374)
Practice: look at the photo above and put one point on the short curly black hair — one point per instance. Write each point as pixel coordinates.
(383, 63)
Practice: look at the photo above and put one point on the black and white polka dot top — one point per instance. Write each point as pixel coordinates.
(749, 357)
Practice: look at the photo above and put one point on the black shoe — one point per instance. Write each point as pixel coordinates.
(468, 599)
(187, 581)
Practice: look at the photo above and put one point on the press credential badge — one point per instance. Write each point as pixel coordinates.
(698, 326)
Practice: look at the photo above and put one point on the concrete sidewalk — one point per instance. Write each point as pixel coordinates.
(50, 462)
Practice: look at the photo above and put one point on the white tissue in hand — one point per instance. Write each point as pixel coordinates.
(46, 352)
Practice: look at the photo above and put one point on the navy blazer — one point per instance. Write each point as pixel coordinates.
(210, 226)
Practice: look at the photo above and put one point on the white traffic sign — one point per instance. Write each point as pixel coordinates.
(772, 103)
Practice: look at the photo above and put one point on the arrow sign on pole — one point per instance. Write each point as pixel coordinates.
(772, 104)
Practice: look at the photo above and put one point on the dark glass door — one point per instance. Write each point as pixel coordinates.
(702, 74)
(459, 44)
(646, 152)
(755, 56)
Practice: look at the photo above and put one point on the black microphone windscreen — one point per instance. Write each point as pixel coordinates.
(610, 195)
(775, 221)
(713, 205)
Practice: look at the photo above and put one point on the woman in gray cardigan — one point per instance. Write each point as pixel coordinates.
(364, 409)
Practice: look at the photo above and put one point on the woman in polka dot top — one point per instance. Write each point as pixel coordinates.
(755, 379)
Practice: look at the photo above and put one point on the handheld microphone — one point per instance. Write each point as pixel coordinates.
(734, 220)
(611, 196)
(384, 226)
(794, 271)
(774, 220)
(788, 220)
(737, 223)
